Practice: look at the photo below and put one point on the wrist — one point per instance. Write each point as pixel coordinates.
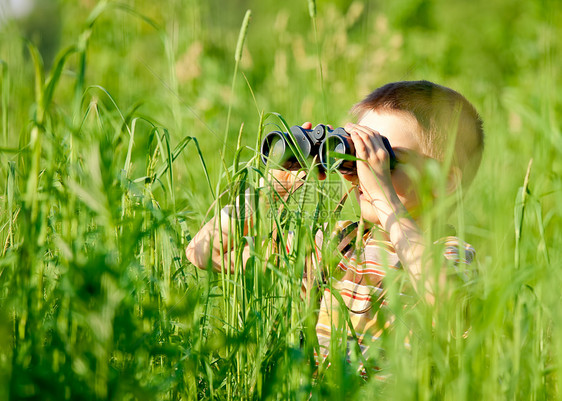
(382, 192)
(280, 192)
(388, 203)
(243, 208)
(285, 183)
(285, 189)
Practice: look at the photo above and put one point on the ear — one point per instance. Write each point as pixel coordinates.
(454, 179)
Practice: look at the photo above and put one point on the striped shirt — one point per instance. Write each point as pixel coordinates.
(353, 307)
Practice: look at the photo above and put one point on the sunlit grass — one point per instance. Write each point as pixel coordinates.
(111, 161)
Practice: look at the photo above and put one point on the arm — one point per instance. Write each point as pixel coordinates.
(408, 242)
(213, 240)
(375, 181)
(406, 237)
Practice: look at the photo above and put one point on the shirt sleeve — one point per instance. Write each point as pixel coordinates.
(343, 233)
(459, 256)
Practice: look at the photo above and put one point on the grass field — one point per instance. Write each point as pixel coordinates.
(122, 123)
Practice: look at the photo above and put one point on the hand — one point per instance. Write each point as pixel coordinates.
(373, 170)
(308, 125)
(285, 182)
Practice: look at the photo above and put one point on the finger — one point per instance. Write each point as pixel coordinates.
(307, 125)
(377, 154)
(360, 135)
(374, 143)
(364, 132)
(374, 151)
(365, 135)
(359, 144)
(381, 152)
(300, 174)
(377, 150)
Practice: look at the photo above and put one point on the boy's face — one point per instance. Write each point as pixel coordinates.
(402, 131)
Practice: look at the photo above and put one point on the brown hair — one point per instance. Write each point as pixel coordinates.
(442, 114)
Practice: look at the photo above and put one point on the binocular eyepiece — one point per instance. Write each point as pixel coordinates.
(325, 144)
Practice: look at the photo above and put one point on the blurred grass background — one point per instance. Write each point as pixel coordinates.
(103, 186)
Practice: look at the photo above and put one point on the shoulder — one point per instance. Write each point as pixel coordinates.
(456, 250)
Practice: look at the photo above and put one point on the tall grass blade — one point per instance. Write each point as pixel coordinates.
(242, 36)
(519, 213)
(5, 99)
(237, 58)
(55, 75)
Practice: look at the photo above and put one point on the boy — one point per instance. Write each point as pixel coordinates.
(422, 121)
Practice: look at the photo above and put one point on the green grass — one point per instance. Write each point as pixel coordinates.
(115, 152)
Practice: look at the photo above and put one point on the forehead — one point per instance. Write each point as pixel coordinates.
(399, 127)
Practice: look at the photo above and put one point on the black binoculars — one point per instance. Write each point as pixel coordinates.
(321, 143)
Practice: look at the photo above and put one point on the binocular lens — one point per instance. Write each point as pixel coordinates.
(276, 149)
(273, 148)
(337, 142)
(332, 144)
